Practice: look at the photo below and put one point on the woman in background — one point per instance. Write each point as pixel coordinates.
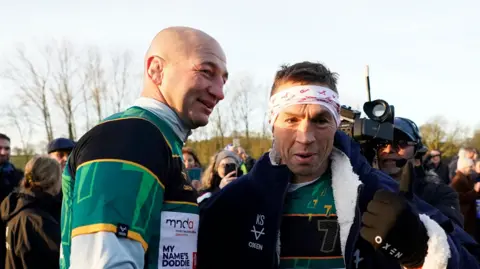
(32, 217)
(468, 192)
(193, 167)
(190, 159)
(224, 167)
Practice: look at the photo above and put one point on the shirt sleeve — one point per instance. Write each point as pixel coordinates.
(117, 198)
(118, 253)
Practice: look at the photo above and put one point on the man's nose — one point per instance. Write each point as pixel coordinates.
(217, 88)
(305, 133)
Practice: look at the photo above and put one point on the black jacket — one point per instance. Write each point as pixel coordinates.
(431, 189)
(32, 222)
(249, 163)
(441, 170)
(9, 179)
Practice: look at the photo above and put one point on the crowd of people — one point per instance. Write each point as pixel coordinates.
(128, 194)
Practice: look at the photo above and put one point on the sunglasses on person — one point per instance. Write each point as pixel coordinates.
(397, 144)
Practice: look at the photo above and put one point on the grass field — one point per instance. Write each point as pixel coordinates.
(19, 161)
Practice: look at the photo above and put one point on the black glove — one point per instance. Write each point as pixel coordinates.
(392, 226)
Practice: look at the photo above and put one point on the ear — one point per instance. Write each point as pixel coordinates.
(155, 66)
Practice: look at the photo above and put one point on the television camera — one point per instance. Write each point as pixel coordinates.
(377, 128)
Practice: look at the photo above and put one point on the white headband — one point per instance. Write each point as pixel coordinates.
(304, 94)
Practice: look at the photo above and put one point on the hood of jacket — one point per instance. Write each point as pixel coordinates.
(18, 201)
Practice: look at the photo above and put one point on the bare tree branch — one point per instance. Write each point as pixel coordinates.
(95, 80)
(32, 80)
(122, 79)
(67, 84)
(20, 120)
(242, 104)
(219, 125)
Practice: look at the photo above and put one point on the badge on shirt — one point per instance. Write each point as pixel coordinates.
(178, 240)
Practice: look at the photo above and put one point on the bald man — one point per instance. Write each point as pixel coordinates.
(127, 201)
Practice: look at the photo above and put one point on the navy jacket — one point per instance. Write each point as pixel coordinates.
(230, 220)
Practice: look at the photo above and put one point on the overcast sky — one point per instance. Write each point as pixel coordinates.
(424, 56)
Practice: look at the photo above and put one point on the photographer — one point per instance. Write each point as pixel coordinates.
(426, 185)
(224, 167)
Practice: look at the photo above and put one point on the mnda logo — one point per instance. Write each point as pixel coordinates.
(182, 224)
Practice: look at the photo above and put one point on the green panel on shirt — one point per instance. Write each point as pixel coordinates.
(103, 194)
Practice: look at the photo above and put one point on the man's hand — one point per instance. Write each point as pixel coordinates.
(391, 225)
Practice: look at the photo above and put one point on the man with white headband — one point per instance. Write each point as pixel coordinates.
(303, 205)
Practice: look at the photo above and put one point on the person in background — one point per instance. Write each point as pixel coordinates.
(192, 166)
(247, 159)
(469, 153)
(224, 168)
(468, 192)
(232, 148)
(32, 217)
(434, 162)
(477, 170)
(426, 184)
(430, 175)
(419, 156)
(229, 147)
(59, 149)
(190, 159)
(9, 175)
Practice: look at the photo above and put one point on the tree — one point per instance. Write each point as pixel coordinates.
(86, 101)
(219, 125)
(200, 133)
(439, 134)
(433, 133)
(20, 120)
(474, 141)
(32, 79)
(242, 104)
(122, 79)
(95, 81)
(67, 84)
(266, 131)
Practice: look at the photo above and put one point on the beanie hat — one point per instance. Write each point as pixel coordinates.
(463, 163)
(225, 154)
(60, 144)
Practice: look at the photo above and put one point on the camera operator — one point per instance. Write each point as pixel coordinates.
(406, 146)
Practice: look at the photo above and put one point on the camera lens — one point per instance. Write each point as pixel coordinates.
(379, 110)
